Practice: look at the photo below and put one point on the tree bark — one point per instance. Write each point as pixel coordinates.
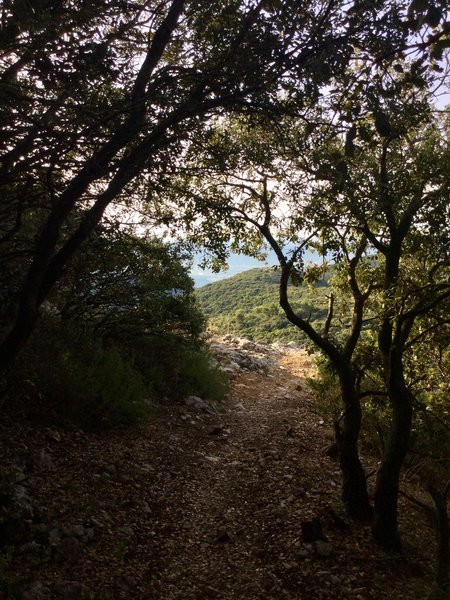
(39, 279)
(392, 337)
(354, 484)
(17, 337)
(385, 522)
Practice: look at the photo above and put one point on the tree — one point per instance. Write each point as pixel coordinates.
(387, 179)
(404, 200)
(99, 101)
(393, 188)
(364, 190)
(120, 330)
(391, 181)
(368, 187)
(126, 288)
(243, 193)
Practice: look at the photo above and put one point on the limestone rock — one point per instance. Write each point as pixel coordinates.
(239, 354)
(126, 531)
(53, 435)
(198, 404)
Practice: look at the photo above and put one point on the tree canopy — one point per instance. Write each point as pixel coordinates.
(99, 103)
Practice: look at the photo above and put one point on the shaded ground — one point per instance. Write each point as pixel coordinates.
(200, 506)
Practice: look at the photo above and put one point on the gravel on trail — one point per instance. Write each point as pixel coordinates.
(206, 504)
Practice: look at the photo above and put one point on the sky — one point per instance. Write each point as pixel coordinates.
(237, 263)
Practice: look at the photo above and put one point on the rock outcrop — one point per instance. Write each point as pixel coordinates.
(235, 355)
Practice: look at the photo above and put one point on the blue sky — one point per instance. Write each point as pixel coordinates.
(236, 264)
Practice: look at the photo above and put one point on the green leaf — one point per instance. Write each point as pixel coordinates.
(296, 278)
(342, 167)
(414, 24)
(438, 48)
(309, 128)
(365, 134)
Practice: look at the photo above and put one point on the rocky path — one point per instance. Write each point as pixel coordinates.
(240, 523)
(203, 503)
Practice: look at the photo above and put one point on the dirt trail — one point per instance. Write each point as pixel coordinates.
(200, 506)
(240, 524)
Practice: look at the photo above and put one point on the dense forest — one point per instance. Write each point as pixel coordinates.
(137, 134)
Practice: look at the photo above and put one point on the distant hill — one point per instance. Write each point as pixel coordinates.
(237, 263)
(247, 305)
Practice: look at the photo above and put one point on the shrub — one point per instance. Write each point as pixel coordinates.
(200, 375)
(179, 367)
(123, 327)
(84, 382)
(326, 389)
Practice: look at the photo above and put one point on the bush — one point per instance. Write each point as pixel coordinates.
(92, 384)
(326, 389)
(179, 367)
(121, 329)
(108, 390)
(200, 375)
(84, 382)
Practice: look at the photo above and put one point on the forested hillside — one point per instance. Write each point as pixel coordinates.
(248, 306)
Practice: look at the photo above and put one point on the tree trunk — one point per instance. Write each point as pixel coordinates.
(17, 336)
(354, 483)
(385, 522)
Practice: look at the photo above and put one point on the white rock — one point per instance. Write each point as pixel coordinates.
(198, 404)
(213, 459)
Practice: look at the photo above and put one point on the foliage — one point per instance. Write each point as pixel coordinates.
(120, 331)
(326, 390)
(295, 123)
(199, 374)
(81, 380)
(247, 305)
(101, 101)
(369, 188)
(6, 585)
(128, 287)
